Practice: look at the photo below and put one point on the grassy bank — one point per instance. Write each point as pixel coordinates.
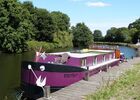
(32, 45)
(117, 43)
(126, 87)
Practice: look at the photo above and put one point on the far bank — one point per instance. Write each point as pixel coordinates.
(117, 43)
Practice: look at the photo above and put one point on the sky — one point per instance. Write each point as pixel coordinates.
(96, 14)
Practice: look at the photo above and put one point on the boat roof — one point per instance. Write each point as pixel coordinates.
(84, 54)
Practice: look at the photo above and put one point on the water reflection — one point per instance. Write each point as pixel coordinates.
(10, 72)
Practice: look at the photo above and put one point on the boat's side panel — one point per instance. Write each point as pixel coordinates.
(107, 57)
(74, 61)
(57, 79)
(103, 67)
(99, 58)
(116, 63)
(90, 61)
(56, 74)
(113, 55)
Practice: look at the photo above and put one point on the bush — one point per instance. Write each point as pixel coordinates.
(47, 46)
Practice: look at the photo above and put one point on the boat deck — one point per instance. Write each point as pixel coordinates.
(78, 90)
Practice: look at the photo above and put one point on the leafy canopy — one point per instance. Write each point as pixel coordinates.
(15, 27)
(97, 35)
(82, 36)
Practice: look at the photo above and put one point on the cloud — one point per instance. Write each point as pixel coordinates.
(97, 4)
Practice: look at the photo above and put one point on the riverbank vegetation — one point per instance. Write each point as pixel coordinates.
(129, 34)
(125, 87)
(117, 44)
(23, 26)
(82, 36)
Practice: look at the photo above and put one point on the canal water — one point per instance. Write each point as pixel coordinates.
(10, 70)
(128, 52)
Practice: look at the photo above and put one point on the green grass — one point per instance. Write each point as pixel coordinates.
(126, 87)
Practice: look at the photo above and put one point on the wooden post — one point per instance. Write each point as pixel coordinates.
(101, 69)
(46, 91)
(106, 67)
(87, 74)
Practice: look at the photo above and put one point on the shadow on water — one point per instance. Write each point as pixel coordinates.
(10, 70)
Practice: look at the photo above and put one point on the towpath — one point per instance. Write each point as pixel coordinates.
(78, 90)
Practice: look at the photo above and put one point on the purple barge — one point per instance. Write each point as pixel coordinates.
(61, 69)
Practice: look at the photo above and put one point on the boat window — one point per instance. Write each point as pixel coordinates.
(83, 62)
(104, 59)
(110, 56)
(95, 61)
(113, 55)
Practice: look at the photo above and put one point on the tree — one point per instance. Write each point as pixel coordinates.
(15, 27)
(45, 25)
(63, 39)
(123, 35)
(111, 35)
(135, 24)
(62, 21)
(82, 36)
(120, 36)
(97, 35)
(50, 27)
(133, 32)
(136, 37)
(29, 5)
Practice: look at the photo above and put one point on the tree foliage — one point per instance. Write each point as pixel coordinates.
(63, 39)
(135, 30)
(45, 25)
(82, 36)
(15, 27)
(135, 24)
(111, 35)
(123, 35)
(62, 20)
(136, 37)
(22, 22)
(118, 35)
(97, 35)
